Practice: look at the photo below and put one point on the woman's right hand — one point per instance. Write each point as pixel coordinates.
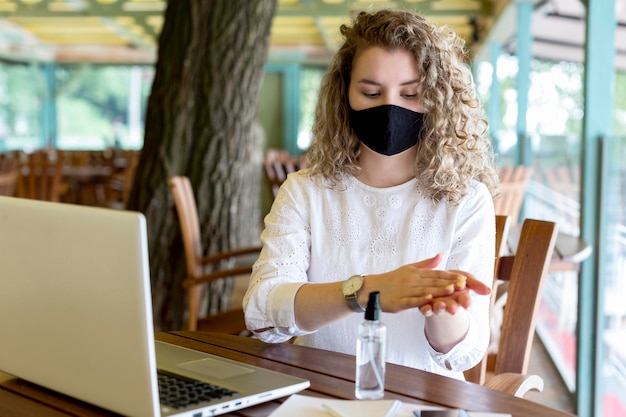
(412, 285)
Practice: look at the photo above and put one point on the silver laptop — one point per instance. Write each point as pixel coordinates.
(76, 315)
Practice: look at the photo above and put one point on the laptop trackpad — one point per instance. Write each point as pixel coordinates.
(214, 368)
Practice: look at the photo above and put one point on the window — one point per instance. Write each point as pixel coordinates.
(21, 93)
(554, 124)
(101, 107)
(311, 78)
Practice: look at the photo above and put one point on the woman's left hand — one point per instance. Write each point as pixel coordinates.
(459, 298)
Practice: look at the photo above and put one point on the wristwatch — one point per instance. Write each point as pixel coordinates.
(350, 289)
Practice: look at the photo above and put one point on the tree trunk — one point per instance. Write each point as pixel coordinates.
(201, 122)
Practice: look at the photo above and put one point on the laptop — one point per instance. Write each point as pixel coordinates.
(76, 317)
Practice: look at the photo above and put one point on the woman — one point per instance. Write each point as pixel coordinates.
(397, 199)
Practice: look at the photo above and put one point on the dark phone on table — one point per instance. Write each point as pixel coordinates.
(439, 413)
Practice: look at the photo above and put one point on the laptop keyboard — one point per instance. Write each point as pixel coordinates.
(178, 392)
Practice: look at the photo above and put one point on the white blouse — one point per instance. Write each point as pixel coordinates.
(317, 234)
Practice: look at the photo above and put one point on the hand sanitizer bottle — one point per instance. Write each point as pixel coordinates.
(370, 353)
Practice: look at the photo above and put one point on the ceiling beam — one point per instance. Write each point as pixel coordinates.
(422, 7)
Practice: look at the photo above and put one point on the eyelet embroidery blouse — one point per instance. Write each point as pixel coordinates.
(317, 234)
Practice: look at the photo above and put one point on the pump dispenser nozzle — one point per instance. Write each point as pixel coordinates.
(372, 312)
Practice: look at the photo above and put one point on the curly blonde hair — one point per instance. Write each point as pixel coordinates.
(454, 148)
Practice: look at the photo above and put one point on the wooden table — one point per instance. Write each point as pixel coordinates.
(86, 184)
(331, 375)
(569, 250)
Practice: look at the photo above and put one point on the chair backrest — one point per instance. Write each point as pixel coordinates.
(525, 271)
(41, 175)
(84, 157)
(514, 182)
(202, 269)
(522, 274)
(185, 203)
(277, 165)
(9, 174)
(503, 223)
(128, 175)
(119, 185)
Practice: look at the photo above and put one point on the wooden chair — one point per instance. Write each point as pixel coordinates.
(9, 174)
(119, 185)
(525, 272)
(514, 182)
(86, 173)
(219, 266)
(277, 165)
(41, 175)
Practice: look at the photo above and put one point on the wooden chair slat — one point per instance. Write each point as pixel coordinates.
(514, 182)
(9, 174)
(277, 165)
(41, 175)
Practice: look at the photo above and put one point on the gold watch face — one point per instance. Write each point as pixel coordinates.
(352, 284)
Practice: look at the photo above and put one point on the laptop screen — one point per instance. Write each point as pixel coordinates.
(75, 312)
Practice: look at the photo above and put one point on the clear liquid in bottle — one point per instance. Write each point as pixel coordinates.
(370, 354)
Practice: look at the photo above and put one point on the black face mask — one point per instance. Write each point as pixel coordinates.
(387, 129)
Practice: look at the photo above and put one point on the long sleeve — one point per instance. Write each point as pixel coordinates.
(472, 250)
(281, 268)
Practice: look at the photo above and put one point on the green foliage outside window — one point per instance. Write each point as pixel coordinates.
(20, 98)
(310, 80)
(97, 106)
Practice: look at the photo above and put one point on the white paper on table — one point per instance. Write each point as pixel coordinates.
(306, 406)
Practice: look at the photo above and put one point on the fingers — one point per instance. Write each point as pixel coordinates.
(426, 310)
(407, 303)
(437, 278)
(478, 287)
(440, 291)
(440, 287)
(431, 290)
(464, 299)
(430, 263)
(462, 279)
(449, 304)
(474, 284)
(439, 307)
